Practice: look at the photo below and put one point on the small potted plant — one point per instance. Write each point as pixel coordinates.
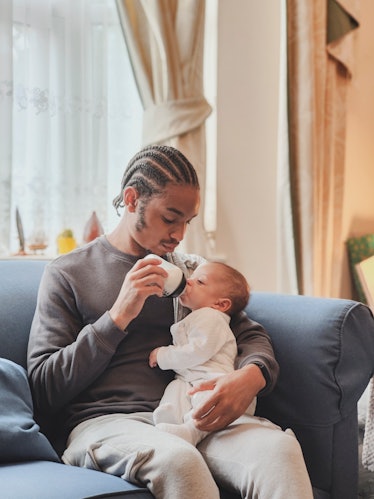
(66, 241)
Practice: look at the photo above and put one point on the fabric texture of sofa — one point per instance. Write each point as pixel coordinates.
(325, 348)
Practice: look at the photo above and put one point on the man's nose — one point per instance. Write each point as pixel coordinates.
(178, 232)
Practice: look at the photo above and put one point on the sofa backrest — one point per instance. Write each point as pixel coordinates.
(19, 282)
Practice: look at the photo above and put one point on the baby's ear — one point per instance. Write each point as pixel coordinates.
(223, 304)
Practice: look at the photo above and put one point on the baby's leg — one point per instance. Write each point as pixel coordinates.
(187, 429)
(174, 403)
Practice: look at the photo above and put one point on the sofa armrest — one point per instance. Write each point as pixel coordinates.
(325, 350)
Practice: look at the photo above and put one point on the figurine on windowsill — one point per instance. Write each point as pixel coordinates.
(21, 236)
(92, 229)
(37, 241)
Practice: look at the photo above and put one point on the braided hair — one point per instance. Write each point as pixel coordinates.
(152, 168)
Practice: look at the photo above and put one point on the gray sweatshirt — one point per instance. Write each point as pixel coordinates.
(81, 363)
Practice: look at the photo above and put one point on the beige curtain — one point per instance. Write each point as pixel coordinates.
(165, 39)
(320, 62)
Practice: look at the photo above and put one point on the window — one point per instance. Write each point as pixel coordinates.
(71, 116)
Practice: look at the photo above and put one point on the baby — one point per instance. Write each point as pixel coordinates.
(203, 348)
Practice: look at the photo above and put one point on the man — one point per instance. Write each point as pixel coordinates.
(101, 312)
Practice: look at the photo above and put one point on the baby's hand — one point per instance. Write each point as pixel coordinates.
(153, 357)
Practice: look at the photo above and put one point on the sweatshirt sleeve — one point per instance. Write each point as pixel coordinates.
(254, 345)
(64, 355)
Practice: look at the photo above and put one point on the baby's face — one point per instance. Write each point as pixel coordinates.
(204, 287)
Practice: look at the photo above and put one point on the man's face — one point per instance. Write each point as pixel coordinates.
(161, 222)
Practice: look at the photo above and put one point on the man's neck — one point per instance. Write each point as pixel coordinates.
(121, 239)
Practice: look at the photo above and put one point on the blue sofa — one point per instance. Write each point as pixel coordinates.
(325, 348)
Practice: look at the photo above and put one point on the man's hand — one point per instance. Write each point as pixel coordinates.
(146, 278)
(231, 395)
(153, 357)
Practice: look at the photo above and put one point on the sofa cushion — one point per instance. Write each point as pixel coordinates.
(46, 480)
(20, 436)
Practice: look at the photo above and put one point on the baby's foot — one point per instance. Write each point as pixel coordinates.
(186, 431)
(164, 413)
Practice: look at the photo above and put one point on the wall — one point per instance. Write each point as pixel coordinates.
(248, 66)
(358, 192)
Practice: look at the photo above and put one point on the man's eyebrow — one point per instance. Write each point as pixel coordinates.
(176, 211)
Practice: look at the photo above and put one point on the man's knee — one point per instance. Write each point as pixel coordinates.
(184, 472)
(183, 458)
(285, 447)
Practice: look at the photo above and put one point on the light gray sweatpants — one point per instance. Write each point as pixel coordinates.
(251, 456)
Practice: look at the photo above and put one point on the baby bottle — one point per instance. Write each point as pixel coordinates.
(175, 282)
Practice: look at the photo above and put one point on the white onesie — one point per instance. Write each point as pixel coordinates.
(203, 348)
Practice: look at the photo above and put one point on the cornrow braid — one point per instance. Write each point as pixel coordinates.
(152, 168)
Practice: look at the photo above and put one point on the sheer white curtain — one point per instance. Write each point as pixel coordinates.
(70, 115)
